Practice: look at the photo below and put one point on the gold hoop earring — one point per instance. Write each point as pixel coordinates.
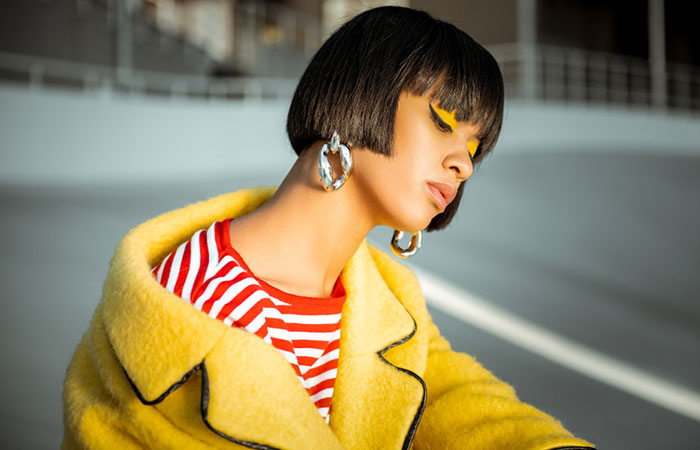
(324, 165)
(413, 247)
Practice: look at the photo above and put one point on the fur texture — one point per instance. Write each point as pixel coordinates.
(154, 372)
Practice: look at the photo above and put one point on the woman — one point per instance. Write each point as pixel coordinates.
(294, 332)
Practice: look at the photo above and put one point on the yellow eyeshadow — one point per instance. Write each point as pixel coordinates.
(450, 119)
(447, 117)
(472, 147)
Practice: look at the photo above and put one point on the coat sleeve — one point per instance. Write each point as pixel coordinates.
(467, 407)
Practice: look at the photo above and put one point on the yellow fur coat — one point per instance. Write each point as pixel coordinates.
(154, 372)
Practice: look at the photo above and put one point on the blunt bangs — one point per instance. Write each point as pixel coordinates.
(461, 76)
(353, 83)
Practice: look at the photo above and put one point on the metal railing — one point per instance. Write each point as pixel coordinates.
(39, 72)
(559, 74)
(555, 75)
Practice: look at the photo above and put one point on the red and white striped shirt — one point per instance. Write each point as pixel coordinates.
(212, 276)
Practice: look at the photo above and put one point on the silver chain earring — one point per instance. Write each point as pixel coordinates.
(413, 247)
(324, 166)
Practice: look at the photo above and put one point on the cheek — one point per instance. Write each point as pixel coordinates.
(416, 155)
(406, 158)
(394, 189)
(410, 205)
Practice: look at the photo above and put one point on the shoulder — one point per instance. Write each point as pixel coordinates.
(193, 261)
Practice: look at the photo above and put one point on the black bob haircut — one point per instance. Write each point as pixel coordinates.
(354, 81)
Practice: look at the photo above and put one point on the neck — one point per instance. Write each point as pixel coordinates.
(300, 240)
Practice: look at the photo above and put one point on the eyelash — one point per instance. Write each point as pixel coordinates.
(439, 123)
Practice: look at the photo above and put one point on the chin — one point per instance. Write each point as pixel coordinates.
(415, 224)
(411, 216)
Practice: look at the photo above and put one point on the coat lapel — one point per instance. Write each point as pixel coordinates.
(251, 395)
(249, 392)
(376, 404)
(154, 334)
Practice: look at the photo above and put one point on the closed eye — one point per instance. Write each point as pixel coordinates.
(441, 124)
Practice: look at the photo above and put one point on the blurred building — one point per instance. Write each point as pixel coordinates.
(599, 51)
(638, 54)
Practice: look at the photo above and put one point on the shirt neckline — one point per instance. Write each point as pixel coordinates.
(336, 299)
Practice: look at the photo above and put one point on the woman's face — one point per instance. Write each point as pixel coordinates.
(431, 157)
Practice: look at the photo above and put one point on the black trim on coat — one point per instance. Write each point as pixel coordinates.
(205, 408)
(573, 448)
(204, 404)
(169, 391)
(419, 414)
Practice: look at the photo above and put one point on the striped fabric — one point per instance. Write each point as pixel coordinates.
(212, 276)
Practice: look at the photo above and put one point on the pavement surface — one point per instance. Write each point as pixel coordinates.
(600, 248)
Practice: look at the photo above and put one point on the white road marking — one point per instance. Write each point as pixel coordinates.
(479, 313)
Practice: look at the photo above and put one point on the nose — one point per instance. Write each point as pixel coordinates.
(457, 160)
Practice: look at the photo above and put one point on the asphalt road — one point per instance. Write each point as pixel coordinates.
(600, 248)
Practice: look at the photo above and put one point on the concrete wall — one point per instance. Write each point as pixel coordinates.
(55, 137)
(64, 137)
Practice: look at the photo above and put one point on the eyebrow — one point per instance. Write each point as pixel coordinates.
(443, 120)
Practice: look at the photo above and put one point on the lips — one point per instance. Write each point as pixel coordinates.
(443, 193)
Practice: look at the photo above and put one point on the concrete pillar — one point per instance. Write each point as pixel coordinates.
(124, 42)
(657, 53)
(527, 40)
